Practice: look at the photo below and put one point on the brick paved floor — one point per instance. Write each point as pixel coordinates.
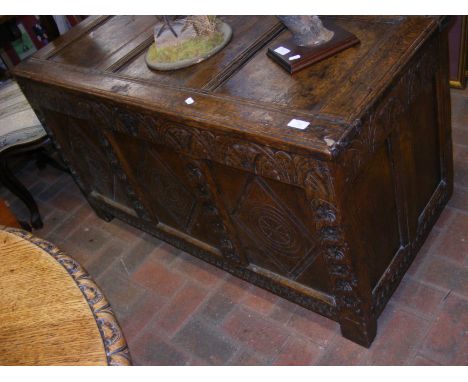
(177, 310)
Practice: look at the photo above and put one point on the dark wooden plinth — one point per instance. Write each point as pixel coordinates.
(341, 40)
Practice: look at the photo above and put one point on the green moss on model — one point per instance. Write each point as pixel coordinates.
(194, 47)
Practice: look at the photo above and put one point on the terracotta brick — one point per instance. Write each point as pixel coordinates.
(165, 253)
(454, 241)
(139, 251)
(259, 300)
(151, 350)
(180, 308)
(158, 278)
(445, 274)
(29, 176)
(297, 352)
(445, 218)
(316, 327)
(56, 186)
(79, 218)
(282, 310)
(141, 314)
(460, 135)
(420, 297)
(459, 199)
(248, 358)
(256, 332)
(110, 253)
(122, 294)
(37, 187)
(49, 174)
(342, 352)
(72, 188)
(459, 107)
(89, 237)
(205, 342)
(45, 209)
(69, 225)
(460, 171)
(398, 336)
(234, 288)
(51, 221)
(121, 230)
(84, 257)
(419, 360)
(217, 308)
(68, 202)
(195, 361)
(198, 270)
(447, 341)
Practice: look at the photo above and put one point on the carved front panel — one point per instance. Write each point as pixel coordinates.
(175, 191)
(82, 148)
(173, 202)
(274, 226)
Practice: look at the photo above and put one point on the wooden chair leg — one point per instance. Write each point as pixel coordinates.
(14, 185)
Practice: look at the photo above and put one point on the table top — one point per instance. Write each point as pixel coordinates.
(52, 313)
(239, 89)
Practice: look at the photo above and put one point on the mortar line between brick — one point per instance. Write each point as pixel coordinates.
(435, 286)
(419, 346)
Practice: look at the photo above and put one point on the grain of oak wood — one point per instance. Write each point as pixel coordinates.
(329, 217)
(51, 312)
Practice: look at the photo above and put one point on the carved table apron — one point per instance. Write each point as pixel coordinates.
(329, 217)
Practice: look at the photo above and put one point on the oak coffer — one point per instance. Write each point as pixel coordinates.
(328, 215)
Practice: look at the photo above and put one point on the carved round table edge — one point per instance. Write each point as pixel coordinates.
(115, 345)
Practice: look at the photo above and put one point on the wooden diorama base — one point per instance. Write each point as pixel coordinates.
(300, 57)
(328, 216)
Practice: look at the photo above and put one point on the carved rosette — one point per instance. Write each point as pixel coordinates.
(114, 342)
(318, 184)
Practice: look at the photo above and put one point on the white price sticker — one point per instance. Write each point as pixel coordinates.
(292, 58)
(298, 124)
(282, 50)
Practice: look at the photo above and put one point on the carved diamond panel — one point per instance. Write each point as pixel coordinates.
(168, 191)
(280, 236)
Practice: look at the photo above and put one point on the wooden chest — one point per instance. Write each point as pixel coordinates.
(329, 217)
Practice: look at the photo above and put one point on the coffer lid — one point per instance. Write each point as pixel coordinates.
(239, 89)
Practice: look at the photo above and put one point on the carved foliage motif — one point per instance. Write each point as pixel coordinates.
(261, 160)
(114, 342)
(335, 251)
